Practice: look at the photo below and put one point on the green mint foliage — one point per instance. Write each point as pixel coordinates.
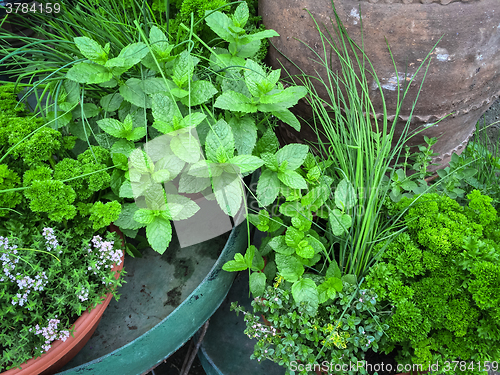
(343, 330)
(439, 277)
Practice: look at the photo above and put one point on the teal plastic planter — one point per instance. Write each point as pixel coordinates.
(140, 330)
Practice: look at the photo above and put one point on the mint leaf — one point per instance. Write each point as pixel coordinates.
(257, 283)
(228, 192)
(255, 76)
(180, 207)
(186, 147)
(288, 118)
(258, 36)
(238, 264)
(294, 154)
(305, 293)
(316, 197)
(136, 134)
(89, 73)
(159, 42)
(339, 222)
(141, 161)
(278, 244)
(334, 270)
(163, 108)
(247, 50)
(245, 134)
(159, 234)
(144, 216)
(126, 219)
(126, 190)
(241, 14)
(111, 102)
(219, 144)
(246, 163)
(133, 92)
(184, 68)
(286, 98)
(219, 23)
(192, 184)
(234, 101)
(268, 187)
(267, 143)
(91, 49)
(201, 92)
(192, 120)
(115, 128)
(289, 267)
(345, 195)
(292, 179)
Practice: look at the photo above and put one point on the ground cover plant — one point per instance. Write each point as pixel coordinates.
(55, 253)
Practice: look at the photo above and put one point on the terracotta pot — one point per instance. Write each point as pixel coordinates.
(463, 77)
(61, 352)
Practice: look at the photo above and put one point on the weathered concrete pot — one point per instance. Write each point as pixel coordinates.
(463, 77)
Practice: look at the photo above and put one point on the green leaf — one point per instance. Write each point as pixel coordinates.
(254, 77)
(179, 93)
(126, 190)
(268, 187)
(257, 283)
(111, 102)
(159, 42)
(292, 179)
(339, 222)
(186, 147)
(334, 270)
(246, 163)
(289, 267)
(161, 176)
(141, 161)
(316, 197)
(304, 291)
(129, 56)
(155, 199)
(91, 50)
(234, 101)
(163, 107)
(315, 244)
(288, 118)
(89, 73)
(184, 68)
(293, 237)
(126, 219)
(241, 14)
(133, 92)
(123, 147)
(249, 254)
(305, 251)
(159, 234)
(156, 85)
(136, 134)
(245, 134)
(294, 154)
(267, 143)
(180, 207)
(192, 184)
(260, 35)
(219, 144)
(219, 23)
(144, 216)
(228, 191)
(192, 120)
(345, 195)
(201, 92)
(279, 245)
(329, 288)
(238, 264)
(247, 50)
(115, 128)
(286, 98)
(351, 279)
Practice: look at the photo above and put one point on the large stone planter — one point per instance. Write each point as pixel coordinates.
(463, 77)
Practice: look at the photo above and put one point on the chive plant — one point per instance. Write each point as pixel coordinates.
(362, 145)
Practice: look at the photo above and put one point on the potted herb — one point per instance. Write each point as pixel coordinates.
(58, 261)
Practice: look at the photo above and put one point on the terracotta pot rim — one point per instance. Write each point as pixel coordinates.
(59, 348)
